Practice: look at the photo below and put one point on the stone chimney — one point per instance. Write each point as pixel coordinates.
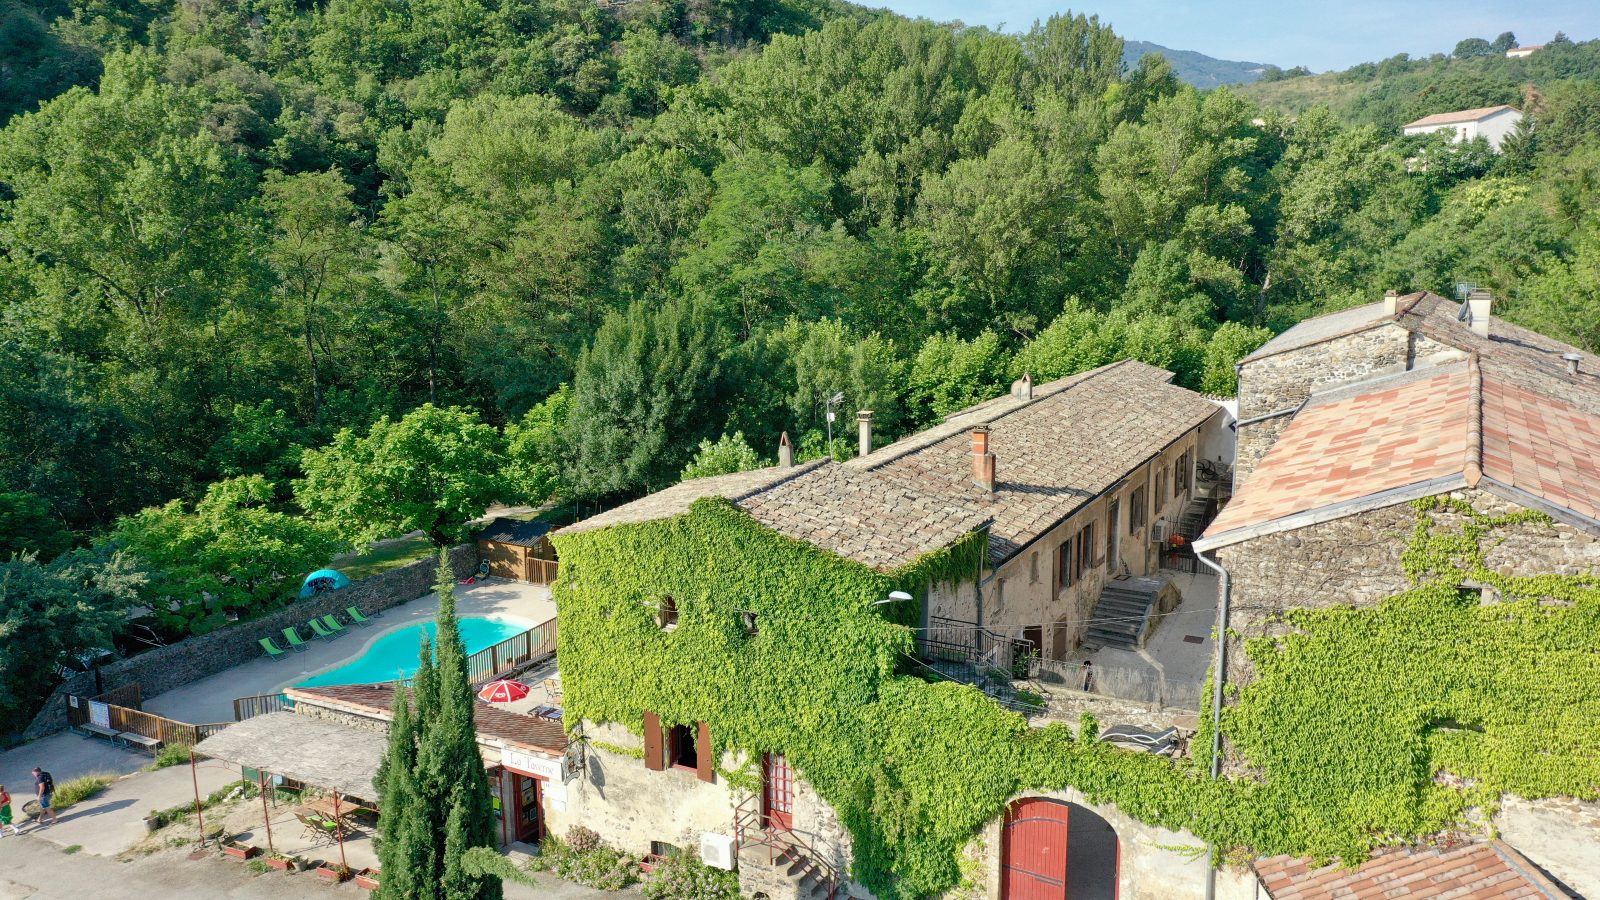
(864, 425)
(1572, 360)
(1478, 306)
(785, 451)
(983, 467)
(1391, 302)
(1022, 388)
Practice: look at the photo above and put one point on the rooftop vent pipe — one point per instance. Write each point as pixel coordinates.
(785, 451)
(983, 466)
(864, 425)
(1572, 362)
(1022, 388)
(1391, 302)
(1479, 303)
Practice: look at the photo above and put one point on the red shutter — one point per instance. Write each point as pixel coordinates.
(702, 753)
(654, 748)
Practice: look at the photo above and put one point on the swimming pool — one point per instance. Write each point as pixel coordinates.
(395, 654)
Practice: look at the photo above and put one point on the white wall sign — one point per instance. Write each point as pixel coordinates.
(99, 714)
(537, 766)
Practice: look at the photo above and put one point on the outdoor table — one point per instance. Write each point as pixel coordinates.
(323, 806)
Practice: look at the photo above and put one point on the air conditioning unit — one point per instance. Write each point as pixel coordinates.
(1158, 532)
(717, 850)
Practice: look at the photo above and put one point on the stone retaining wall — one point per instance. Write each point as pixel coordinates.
(164, 668)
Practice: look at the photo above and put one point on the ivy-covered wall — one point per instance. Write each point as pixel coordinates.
(1345, 729)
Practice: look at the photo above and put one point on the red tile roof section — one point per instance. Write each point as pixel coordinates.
(1473, 872)
(377, 700)
(1355, 447)
(1541, 445)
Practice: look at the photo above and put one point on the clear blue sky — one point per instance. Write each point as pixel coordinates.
(1316, 33)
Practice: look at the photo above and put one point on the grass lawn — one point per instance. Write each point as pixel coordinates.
(387, 555)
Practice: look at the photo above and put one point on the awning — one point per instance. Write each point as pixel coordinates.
(312, 751)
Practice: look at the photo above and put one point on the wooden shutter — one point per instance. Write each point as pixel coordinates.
(702, 753)
(655, 756)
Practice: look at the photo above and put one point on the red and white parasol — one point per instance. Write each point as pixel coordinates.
(503, 691)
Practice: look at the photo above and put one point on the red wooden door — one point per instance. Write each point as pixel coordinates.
(1034, 851)
(526, 824)
(777, 792)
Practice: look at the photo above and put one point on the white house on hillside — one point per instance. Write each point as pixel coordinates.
(1493, 123)
(1515, 52)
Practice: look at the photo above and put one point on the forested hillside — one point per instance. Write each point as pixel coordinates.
(609, 234)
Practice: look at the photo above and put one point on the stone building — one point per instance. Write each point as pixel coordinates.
(1346, 419)
(1064, 482)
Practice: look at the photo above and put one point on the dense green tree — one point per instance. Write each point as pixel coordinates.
(949, 374)
(433, 470)
(49, 611)
(232, 552)
(27, 526)
(728, 454)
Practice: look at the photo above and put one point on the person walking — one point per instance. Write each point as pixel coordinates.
(5, 813)
(45, 787)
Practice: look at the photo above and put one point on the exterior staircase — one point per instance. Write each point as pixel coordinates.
(1193, 519)
(778, 864)
(1122, 612)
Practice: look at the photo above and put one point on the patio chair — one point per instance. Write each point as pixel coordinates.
(313, 829)
(356, 616)
(272, 649)
(320, 631)
(333, 624)
(292, 635)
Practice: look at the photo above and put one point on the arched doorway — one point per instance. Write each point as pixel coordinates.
(1051, 850)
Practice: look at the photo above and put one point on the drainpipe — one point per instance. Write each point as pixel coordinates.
(1224, 590)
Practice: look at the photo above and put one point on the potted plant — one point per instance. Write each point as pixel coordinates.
(154, 821)
(333, 871)
(240, 850)
(368, 878)
(299, 862)
(277, 861)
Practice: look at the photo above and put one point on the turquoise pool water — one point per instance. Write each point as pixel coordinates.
(395, 654)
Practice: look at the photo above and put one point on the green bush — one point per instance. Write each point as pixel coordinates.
(79, 789)
(685, 877)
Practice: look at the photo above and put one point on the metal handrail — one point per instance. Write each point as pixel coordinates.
(783, 841)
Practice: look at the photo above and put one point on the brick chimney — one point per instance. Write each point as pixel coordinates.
(1022, 388)
(983, 467)
(785, 451)
(1478, 306)
(1391, 302)
(864, 426)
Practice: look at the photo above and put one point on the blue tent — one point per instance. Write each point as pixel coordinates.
(323, 580)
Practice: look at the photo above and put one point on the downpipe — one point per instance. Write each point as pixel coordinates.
(1224, 598)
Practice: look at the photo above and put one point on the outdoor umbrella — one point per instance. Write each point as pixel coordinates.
(503, 691)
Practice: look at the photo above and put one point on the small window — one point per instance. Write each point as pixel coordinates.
(667, 614)
(1064, 564)
(664, 850)
(1136, 510)
(750, 626)
(1085, 549)
(1111, 532)
(681, 750)
(1033, 567)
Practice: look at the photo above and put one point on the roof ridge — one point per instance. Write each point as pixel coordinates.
(1474, 460)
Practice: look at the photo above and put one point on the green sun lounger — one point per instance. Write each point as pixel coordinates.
(333, 624)
(293, 637)
(320, 631)
(356, 616)
(273, 650)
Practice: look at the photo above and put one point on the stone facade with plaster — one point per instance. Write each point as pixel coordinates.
(1559, 834)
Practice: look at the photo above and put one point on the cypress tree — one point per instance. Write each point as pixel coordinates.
(432, 788)
(397, 798)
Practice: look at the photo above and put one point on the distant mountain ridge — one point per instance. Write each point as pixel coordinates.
(1197, 69)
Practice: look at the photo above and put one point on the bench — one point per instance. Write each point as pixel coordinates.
(92, 730)
(134, 737)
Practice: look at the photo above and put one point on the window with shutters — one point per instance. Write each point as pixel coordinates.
(1086, 548)
(1111, 533)
(1136, 510)
(1064, 564)
(1033, 567)
(683, 751)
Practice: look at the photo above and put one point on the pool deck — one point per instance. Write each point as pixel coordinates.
(211, 699)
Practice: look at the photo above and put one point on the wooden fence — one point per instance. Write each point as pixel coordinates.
(92, 710)
(260, 705)
(512, 652)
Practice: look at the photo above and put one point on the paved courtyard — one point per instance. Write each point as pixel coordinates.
(211, 699)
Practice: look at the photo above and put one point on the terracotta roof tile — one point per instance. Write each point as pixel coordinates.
(1472, 872)
(377, 700)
